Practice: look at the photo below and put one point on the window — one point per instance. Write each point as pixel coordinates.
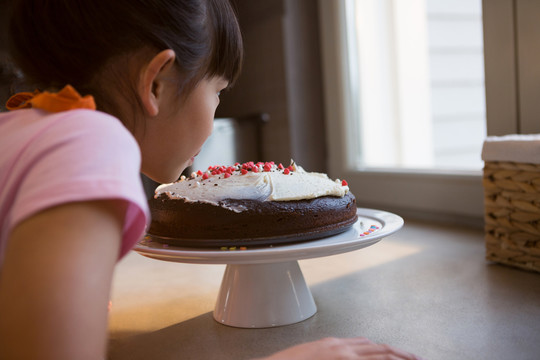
(417, 73)
(405, 97)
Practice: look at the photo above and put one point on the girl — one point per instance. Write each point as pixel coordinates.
(71, 200)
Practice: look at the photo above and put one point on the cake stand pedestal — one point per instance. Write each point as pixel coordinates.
(263, 295)
(263, 286)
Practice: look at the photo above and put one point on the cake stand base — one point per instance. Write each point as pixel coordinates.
(263, 295)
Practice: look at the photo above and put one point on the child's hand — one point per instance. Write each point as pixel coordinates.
(333, 348)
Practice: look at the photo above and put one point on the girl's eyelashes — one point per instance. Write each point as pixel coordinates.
(222, 87)
(222, 91)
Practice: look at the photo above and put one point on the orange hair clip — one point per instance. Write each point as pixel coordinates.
(66, 99)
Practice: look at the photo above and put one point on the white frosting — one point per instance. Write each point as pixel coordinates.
(273, 185)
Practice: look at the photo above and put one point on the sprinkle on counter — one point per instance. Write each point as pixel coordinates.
(233, 248)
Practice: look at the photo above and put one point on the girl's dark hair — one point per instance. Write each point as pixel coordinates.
(59, 42)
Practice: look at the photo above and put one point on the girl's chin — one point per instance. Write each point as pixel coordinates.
(171, 175)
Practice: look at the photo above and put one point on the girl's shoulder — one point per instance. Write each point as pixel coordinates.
(73, 138)
(92, 122)
(43, 127)
(84, 119)
(40, 120)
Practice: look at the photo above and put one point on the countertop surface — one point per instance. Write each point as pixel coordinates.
(426, 289)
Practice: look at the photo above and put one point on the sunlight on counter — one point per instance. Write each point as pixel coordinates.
(328, 268)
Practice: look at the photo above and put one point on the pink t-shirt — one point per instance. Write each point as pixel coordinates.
(47, 159)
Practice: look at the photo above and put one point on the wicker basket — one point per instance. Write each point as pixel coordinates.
(512, 213)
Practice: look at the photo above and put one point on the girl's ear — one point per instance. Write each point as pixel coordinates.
(152, 80)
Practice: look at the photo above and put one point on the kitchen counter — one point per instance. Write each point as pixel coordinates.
(426, 289)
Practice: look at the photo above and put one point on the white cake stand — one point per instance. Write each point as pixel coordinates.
(264, 286)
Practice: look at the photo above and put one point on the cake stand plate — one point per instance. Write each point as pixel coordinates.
(263, 286)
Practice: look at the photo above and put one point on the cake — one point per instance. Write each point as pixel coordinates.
(250, 204)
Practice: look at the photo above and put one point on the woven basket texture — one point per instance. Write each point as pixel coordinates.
(512, 214)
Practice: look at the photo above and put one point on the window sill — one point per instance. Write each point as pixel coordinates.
(439, 196)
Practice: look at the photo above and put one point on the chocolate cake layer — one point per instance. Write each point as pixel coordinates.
(177, 219)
